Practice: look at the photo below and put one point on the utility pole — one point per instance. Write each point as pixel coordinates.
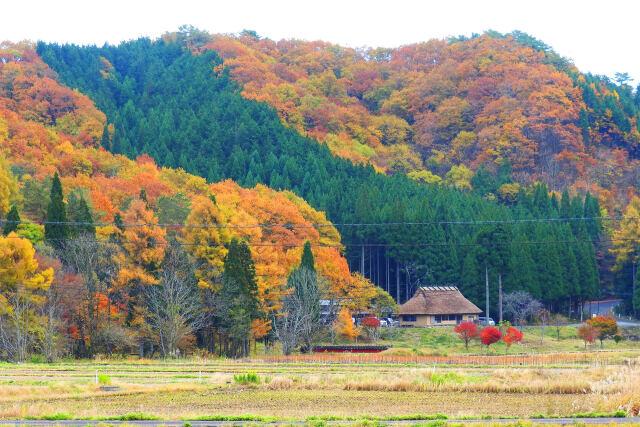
(633, 288)
(398, 280)
(486, 280)
(362, 262)
(500, 295)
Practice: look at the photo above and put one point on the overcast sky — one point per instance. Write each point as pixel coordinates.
(599, 36)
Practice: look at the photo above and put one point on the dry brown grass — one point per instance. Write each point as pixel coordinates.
(391, 390)
(621, 391)
(531, 381)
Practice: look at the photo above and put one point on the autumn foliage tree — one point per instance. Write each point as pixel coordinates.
(206, 237)
(344, 325)
(371, 326)
(607, 325)
(490, 335)
(466, 332)
(512, 336)
(588, 334)
(22, 289)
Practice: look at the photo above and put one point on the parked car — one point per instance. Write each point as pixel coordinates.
(391, 322)
(486, 321)
(384, 323)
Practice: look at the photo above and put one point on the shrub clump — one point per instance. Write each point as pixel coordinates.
(248, 378)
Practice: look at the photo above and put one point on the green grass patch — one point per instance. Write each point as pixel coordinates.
(248, 378)
(247, 417)
(58, 416)
(617, 414)
(132, 416)
(104, 379)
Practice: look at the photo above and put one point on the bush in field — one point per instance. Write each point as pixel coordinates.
(104, 379)
(608, 326)
(588, 334)
(617, 338)
(512, 336)
(490, 335)
(248, 378)
(466, 331)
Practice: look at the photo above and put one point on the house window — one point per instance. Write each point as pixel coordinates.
(409, 318)
(439, 318)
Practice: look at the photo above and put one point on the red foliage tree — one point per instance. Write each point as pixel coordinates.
(512, 336)
(371, 325)
(371, 322)
(490, 335)
(466, 331)
(588, 334)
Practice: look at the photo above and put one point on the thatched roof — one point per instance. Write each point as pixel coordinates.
(439, 300)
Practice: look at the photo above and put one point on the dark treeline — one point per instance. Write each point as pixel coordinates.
(184, 111)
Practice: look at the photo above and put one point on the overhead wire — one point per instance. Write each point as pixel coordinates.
(313, 225)
(356, 244)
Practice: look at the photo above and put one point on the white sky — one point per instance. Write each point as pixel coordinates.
(599, 36)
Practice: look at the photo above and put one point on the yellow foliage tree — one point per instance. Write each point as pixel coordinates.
(424, 176)
(459, 177)
(344, 324)
(627, 236)
(144, 244)
(8, 187)
(22, 289)
(359, 293)
(509, 192)
(206, 241)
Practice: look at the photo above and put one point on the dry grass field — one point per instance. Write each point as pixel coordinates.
(190, 389)
(427, 372)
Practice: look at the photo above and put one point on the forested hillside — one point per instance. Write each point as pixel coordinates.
(447, 108)
(115, 229)
(165, 99)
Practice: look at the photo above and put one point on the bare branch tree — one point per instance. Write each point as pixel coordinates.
(299, 320)
(520, 306)
(83, 255)
(174, 306)
(51, 312)
(17, 323)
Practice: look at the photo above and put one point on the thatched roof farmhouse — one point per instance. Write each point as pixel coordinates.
(438, 305)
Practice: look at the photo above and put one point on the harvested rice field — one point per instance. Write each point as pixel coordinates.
(288, 389)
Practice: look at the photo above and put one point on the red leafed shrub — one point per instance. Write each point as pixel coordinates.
(371, 322)
(512, 335)
(466, 331)
(490, 335)
(588, 333)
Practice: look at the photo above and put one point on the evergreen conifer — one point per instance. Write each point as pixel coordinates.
(56, 231)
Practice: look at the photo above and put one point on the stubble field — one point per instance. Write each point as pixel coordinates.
(331, 388)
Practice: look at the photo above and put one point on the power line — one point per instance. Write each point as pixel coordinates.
(314, 225)
(372, 245)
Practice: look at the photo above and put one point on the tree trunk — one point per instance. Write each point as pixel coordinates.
(398, 282)
(500, 296)
(370, 264)
(486, 279)
(388, 272)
